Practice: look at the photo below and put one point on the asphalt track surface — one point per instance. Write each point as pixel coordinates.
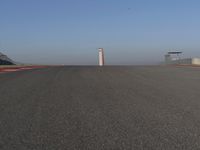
(103, 108)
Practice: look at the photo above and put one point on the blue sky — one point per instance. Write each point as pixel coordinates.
(70, 31)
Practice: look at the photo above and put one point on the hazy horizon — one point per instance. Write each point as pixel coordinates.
(70, 31)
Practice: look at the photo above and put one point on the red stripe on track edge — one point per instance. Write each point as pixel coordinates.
(14, 69)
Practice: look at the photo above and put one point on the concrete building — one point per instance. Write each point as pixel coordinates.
(174, 58)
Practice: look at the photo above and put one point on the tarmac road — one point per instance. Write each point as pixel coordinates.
(108, 108)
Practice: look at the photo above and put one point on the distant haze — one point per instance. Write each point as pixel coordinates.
(70, 31)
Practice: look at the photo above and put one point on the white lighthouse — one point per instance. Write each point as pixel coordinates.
(101, 57)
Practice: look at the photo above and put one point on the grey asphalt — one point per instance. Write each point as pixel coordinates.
(103, 108)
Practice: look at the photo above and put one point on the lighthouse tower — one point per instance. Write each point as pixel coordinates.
(101, 57)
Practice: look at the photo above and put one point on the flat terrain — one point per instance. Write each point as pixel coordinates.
(108, 108)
